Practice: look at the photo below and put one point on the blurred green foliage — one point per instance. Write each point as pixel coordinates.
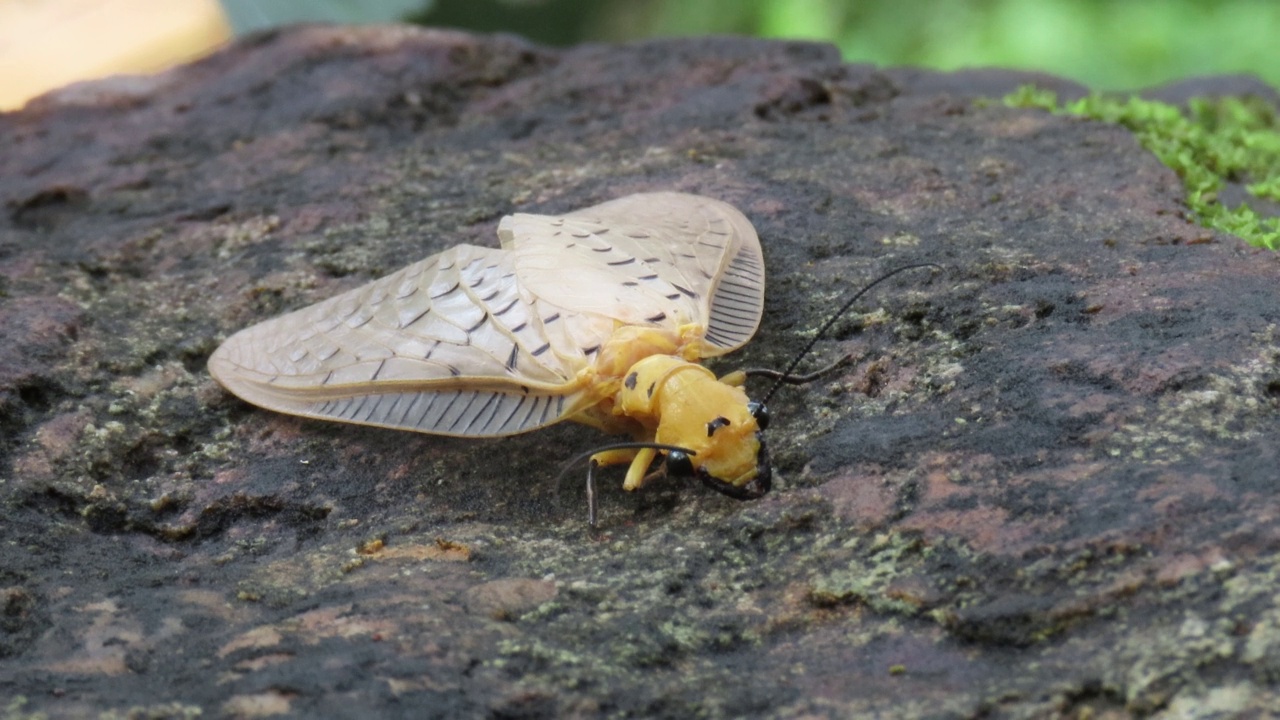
(1105, 44)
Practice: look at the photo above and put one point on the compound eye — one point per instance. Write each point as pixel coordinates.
(679, 464)
(760, 413)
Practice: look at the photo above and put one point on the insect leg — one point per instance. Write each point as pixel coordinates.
(636, 473)
(639, 454)
(616, 456)
(640, 460)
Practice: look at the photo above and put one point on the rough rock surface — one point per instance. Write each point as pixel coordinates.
(1045, 484)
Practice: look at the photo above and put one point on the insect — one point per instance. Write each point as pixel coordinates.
(600, 316)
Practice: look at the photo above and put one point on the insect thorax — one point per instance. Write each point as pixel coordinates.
(615, 368)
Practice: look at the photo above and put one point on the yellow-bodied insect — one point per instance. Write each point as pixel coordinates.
(599, 316)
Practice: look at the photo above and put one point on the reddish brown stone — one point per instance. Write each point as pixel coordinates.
(1044, 486)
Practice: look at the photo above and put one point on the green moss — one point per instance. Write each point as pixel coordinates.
(13, 710)
(869, 579)
(1210, 144)
(164, 711)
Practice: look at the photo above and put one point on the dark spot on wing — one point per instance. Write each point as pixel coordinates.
(630, 382)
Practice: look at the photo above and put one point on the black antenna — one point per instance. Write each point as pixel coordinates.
(831, 321)
(568, 465)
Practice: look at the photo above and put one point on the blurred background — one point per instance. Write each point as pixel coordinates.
(1106, 44)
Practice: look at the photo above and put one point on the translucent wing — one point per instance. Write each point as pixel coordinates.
(449, 345)
(652, 258)
(480, 341)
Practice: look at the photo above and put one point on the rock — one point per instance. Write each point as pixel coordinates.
(1044, 485)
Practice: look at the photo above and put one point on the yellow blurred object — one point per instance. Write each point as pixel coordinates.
(46, 44)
